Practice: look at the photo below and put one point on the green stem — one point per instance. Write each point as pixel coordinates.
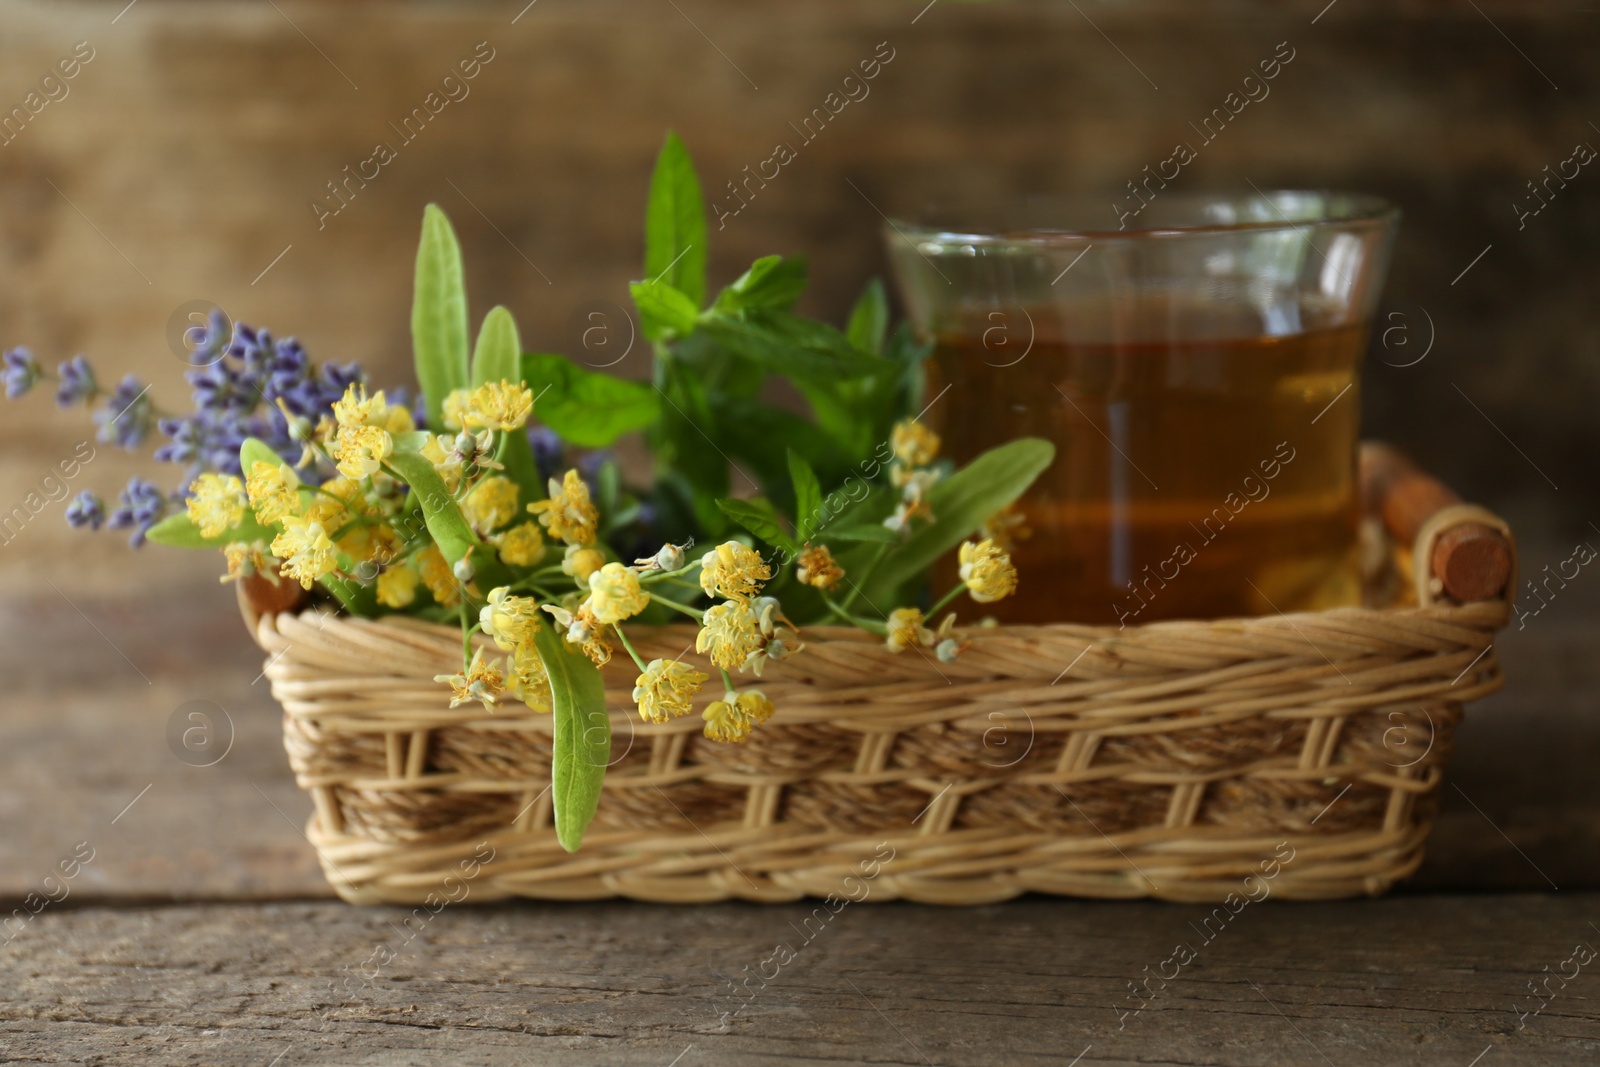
(960, 588)
(628, 645)
(866, 575)
(727, 681)
(466, 637)
(869, 625)
(695, 613)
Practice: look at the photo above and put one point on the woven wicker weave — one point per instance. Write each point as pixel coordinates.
(1166, 760)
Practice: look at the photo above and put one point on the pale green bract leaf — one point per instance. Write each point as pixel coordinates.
(253, 451)
(807, 496)
(582, 734)
(179, 531)
(439, 313)
(664, 312)
(498, 355)
(585, 407)
(960, 505)
(446, 524)
(675, 224)
(760, 519)
(412, 441)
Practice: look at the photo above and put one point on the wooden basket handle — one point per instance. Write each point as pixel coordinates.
(1466, 550)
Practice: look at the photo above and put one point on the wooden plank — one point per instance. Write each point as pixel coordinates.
(1419, 980)
(190, 150)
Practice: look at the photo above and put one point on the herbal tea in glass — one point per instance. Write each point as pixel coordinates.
(1200, 379)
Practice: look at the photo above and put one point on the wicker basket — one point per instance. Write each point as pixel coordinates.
(1170, 760)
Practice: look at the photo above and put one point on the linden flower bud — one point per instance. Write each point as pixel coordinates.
(615, 593)
(582, 562)
(670, 558)
(463, 569)
(987, 571)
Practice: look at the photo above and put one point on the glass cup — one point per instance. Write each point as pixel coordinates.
(1198, 372)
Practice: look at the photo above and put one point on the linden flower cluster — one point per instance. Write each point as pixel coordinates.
(915, 448)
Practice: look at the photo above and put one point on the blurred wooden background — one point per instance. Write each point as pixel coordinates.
(183, 163)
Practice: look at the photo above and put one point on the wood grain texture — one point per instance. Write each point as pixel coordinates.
(189, 152)
(1419, 980)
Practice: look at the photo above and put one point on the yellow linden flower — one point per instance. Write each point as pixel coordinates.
(582, 562)
(361, 450)
(438, 577)
(568, 514)
(815, 566)
(355, 408)
(595, 645)
(754, 704)
(498, 405)
(1006, 527)
(615, 594)
(733, 570)
(528, 682)
(274, 490)
(666, 690)
(453, 407)
(246, 558)
(728, 632)
(216, 503)
(522, 545)
(305, 549)
(491, 503)
(906, 629)
(913, 443)
(510, 621)
(397, 586)
(445, 461)
(732, 720)
(481, 681)
(725, 723)
(987, 571)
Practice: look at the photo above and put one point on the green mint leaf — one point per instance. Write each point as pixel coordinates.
(582, 735)
(863, 532)
(675, 224)
(439, 313)
(781, 343)
(664, 312)
(585, 407)
(759, 517)
(869, 320)
(771, 282)
(807, 496)
(498, 355)
(960, 505)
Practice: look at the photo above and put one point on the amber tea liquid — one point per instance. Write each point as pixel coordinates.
(1192, 479)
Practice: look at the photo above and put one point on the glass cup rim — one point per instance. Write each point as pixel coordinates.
(1354, 211)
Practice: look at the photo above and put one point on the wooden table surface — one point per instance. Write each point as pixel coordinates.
(201, 930)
